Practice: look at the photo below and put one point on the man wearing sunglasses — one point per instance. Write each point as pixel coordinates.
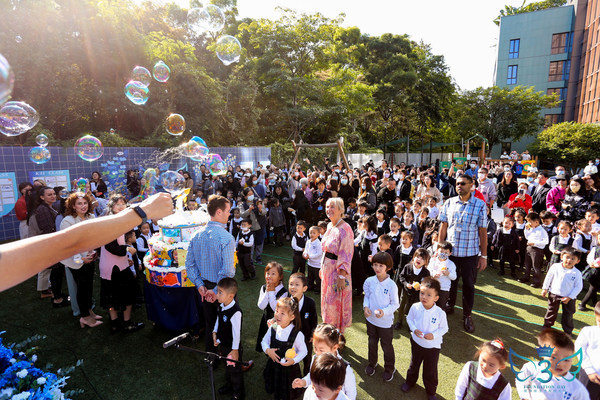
(464, 225)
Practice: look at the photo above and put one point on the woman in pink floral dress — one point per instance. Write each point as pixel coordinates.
(336, 285)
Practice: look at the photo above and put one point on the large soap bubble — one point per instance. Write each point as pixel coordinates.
(81, 184)
(198, 140)
(136, 92)
(41, 140)
(195, 150)
(7, 80)
(161, 71)
(17, 117)
(64, 194)
(228, 49)
(175, 124)
(210, 18)
(215, 164)
(141, 75)
(39, 155)
(89, 148)
(173, 182)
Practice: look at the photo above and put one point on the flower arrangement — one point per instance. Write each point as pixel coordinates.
(20, 379)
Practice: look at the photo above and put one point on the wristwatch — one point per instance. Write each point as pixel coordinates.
(141, 213)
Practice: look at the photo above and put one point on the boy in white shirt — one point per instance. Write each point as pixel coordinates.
(537, 239)
(312, 254)
(434, 211)
(327, 375)
(428, 324)
(562, 285)
(380, 303)
(443, 270)
(532, 380)
(589, 343)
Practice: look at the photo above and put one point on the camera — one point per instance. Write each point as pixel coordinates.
(521, 192)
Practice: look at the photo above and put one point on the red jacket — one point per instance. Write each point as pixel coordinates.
(21, 209)
(513, 202)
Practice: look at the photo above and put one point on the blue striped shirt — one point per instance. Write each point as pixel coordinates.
(464, 220)
(210, 255)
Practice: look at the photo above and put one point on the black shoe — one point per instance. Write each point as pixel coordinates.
(582, 307)
(65, 302)
(523, 280)
(468, 324)
(536, 285)
(398, 325)
(225, 389)
(115, 325)
(405, 387)
(130, 326)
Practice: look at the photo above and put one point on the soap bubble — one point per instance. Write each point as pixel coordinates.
(175, 124)
(199, 140)
(173, 182)
(215, 164)
(39, 155)
(17, 117)
(7, 80)
(81, 183)
(112, 131)
(142, 75)
(210, 18)
(41, 140)
(228, 49)
(195, 150)
(89, 148)
(137, 92)
(18, 39)
(63, 194)
(161, 71)
(120, 153)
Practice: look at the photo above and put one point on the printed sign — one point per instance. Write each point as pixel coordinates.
(8, 192)
(52, 178)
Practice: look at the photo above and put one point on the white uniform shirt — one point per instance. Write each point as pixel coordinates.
(538, 236)
(309, 394)
(556, 389)
(283, 334)
(314, 250)
(589, 343)
(435, 267)
(269, 298)
(427, 321)
(236, 326)
(488, 383)
(564, 282)
(381, 295)
(349, 387)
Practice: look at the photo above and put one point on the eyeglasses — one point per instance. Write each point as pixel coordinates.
(462, 183)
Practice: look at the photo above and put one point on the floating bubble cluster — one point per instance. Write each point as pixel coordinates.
(17, 117)
(39, 155)
(175, 124)
(161, 71)
(208, 19)
(7, 80)
(41, 140)
(196, 149)
(173, 182)
(89, 148)
(215, 164)
(228, 49)
(141, 75)
(137, 92)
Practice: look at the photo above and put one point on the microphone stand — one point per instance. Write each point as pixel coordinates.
(209, 359)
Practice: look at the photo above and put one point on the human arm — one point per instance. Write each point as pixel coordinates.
(236, 329)
(21, 209)
(548, 279)
(394, 303)
(227, 269)
(250, 242)
(577, 287)
(482, 265)
(263, 299)
(37, 253)
(350, 383)
(295, 246)
(461, 384)
(442, 326)
(139, 245)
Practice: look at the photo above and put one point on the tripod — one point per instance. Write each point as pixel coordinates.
(209, 358)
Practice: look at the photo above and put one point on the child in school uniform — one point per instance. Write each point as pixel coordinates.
(383, 225)
(443, 270)
(428, 324)
(380, 303)
(368, 243)
(422, 222)
(554, 380)
(226, 337)
(410, 278)
(403, 254)
(270, 292)
(245, 242)
(277, 221)
(352, 208)
(298, 245)
(583, 241)
(589, 343)
(537, 239)
(434, 211)
(520, 223)
(384, 243)
(322, 225)
(394, 233)
(141, 243)
(235, 223)
(328, 375)
(409, 225)
(592, 275)
(549, 225)
(313, 251)
(482, 379)
(506, 244)
(284, 334)
(562, 286)
(297, 287)
(362, 210)
(592, 216)
(561, 241)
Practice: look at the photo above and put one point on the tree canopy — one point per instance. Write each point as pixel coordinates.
(569, 142)
(535, 6)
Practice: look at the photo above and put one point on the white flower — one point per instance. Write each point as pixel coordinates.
(41, 381)
(22, 396)
(22, 373)
(34, 358)
(12, 361)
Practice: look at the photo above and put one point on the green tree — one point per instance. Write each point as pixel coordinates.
(569, 142)
(539, 5)
(501, 114)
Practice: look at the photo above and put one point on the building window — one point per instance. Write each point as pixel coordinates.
(513, 48)
(551, 119)
(562, 93)
(562, 43)
(559, 70)
(512, 75)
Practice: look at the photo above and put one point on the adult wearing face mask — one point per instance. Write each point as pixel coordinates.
(540, 193)
(367, 194)
(473, 171)
(345, 191)
(506, 188)
(403, 186)
(560, 171)
(355, 181)
(387, 196)
(320, 196)
(520, 199)
(259, 189)
(590, 169)
(557, 194)
(576, 201)
(486, 187)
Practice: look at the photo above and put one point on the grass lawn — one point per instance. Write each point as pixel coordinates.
(135, 366)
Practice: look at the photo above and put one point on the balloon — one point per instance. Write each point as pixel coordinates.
(7, 80)
(17, 117)
(228, 49)
(161, 71)
(142, 75)
(39, 155)
(175, 124)
(41, 140)
(136, 92)
(215, 164)
(89, 148)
